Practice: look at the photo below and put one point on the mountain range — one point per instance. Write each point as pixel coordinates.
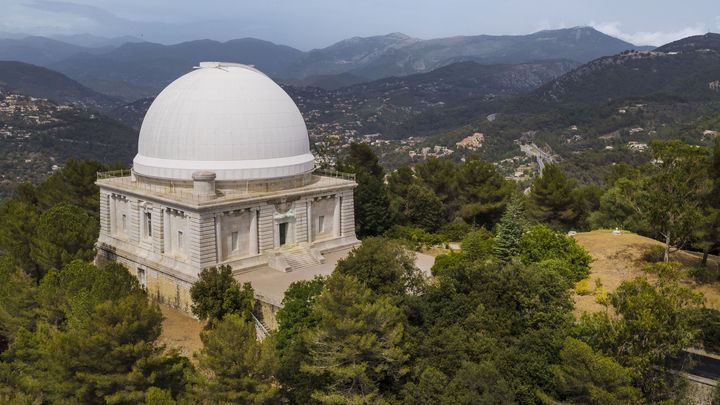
(135, 70)
(37, 81)
(683, 70)
(674, 89)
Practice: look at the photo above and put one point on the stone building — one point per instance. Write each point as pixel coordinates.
(223, 176)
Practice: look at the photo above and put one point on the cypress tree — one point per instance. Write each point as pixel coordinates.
(510, 229)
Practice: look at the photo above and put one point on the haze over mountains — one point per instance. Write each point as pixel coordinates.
(135, 70)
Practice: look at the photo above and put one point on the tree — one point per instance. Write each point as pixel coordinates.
(586, 377)
(429, 389)
(63, 233)
(295, 319)
(217, 293)
(541, 243)
(477, 245)
(361, 158)
(423, 208)
(241, 367)
(484, 192)
(110, 357)
(551, 199)
(707, 233)
(440, 176)
(398, 183)
(384, 266)
(372, 205)
(478, 384)
(18, 220)
(70, 295)
(648, 324)
(357, 346)
(75, 185)
(617, 208)
(510, 229)
(670, 196)
(18, 302)
(297, 314)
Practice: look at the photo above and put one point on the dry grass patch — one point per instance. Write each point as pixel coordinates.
(616, 258)
(180, 331)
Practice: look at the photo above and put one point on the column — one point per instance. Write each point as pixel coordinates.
(166, 230)
(113, 215)
(336, 216)
(218, 237)
(254, 232)
(309, 221)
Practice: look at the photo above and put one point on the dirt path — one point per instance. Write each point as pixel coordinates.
(180, 331)
(616, 260)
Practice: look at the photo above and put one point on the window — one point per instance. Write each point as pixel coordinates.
(180, 240)
(141, 276)
(124, 222)
(234, 241)
(148, 225)
(321, 224)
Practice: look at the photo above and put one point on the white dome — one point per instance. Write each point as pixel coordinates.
(225, 118)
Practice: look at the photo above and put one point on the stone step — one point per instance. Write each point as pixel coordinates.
(299, 256)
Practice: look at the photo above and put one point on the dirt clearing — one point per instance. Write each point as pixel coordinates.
(616, 258)
(180, 331)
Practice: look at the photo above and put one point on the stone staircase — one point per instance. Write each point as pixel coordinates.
(299, 256)
(261, 330)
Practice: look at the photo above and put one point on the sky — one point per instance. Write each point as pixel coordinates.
(308, 24)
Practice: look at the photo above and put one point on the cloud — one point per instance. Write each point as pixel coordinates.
(655, 38)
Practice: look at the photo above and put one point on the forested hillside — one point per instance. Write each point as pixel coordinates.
(38, 136)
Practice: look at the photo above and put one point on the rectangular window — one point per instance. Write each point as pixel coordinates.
(234, 241)
(141, 277)
(180, 240)
(148, 224)
(321, 224)
(124, 222)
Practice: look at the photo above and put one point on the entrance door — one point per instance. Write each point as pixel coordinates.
(283, 232)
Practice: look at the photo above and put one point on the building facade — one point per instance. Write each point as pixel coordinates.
(223, 176)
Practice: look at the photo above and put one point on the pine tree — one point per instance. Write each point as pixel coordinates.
(484, 192)
(357, 345)
(372, 205)
(586, 377)
(111, 357)
(241, 368)
(510, 229)
(423, 208)
(64, 233)
(551, 198)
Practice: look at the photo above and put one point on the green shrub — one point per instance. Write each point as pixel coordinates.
(704, 274)
(414, 238)
(455, 231)
(541, 243)
(654, 254)
(582, 287)
(444, 262)
(708, 322)
(477, 245)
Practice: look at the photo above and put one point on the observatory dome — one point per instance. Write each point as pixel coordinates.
(225, 118)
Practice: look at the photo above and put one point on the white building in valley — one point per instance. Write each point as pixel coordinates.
(223, 176)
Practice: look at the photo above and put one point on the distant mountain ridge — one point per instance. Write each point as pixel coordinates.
(683, 69)
(397, 54)
(36, 81)
(136, 70)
